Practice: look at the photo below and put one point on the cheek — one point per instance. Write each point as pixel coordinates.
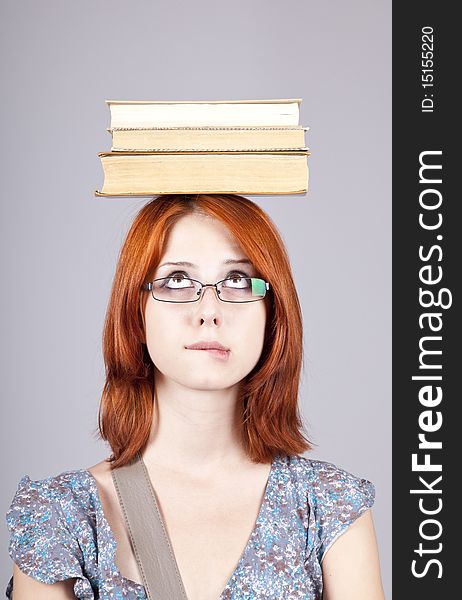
(251, 332)
(163, 330)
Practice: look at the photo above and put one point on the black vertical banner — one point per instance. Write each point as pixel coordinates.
(427, 258)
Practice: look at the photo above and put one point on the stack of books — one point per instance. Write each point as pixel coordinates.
(205, 147)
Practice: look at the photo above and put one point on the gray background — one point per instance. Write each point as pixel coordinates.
(59, 244)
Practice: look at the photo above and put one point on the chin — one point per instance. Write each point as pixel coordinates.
(209, 383)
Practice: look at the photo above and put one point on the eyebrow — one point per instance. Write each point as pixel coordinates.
(229, 261)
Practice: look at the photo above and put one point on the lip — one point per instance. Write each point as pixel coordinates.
(214, 349)
(203, 345)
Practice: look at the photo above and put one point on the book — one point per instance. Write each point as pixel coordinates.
(218, 146)
(195, 113)
(208, 138)
(156, 173)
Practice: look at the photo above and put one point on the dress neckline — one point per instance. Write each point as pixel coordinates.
(264, 506)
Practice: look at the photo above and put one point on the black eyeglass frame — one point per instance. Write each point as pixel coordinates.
(149, 287)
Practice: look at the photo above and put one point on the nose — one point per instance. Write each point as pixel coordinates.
(209, 306)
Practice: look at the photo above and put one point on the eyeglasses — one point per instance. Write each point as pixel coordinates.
(183, 289)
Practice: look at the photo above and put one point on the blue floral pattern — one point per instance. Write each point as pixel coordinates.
(58, 531)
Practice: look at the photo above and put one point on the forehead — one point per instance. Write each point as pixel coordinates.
(194, 235)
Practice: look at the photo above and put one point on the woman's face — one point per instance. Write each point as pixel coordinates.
(171, 328)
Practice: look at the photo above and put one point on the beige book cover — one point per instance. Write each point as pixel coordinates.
(144, 174)
(208, 138)
(147, 113)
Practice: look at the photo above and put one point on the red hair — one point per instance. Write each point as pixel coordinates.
(270, 422)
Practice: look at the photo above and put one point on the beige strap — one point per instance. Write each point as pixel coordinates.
(151, 544)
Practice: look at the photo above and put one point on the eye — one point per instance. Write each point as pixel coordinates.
(177, 279)
(237, 279)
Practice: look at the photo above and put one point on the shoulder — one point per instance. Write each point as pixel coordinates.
(51, 522)
(68, 492)
(334, 497)
(325, 482)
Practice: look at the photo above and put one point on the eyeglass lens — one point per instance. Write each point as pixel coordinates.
(182, 289)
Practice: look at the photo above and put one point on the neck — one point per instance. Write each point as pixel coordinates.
(194, 430)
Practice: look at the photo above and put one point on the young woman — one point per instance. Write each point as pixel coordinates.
(203, 353)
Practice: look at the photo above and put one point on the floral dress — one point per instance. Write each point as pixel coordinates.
(58, 530)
